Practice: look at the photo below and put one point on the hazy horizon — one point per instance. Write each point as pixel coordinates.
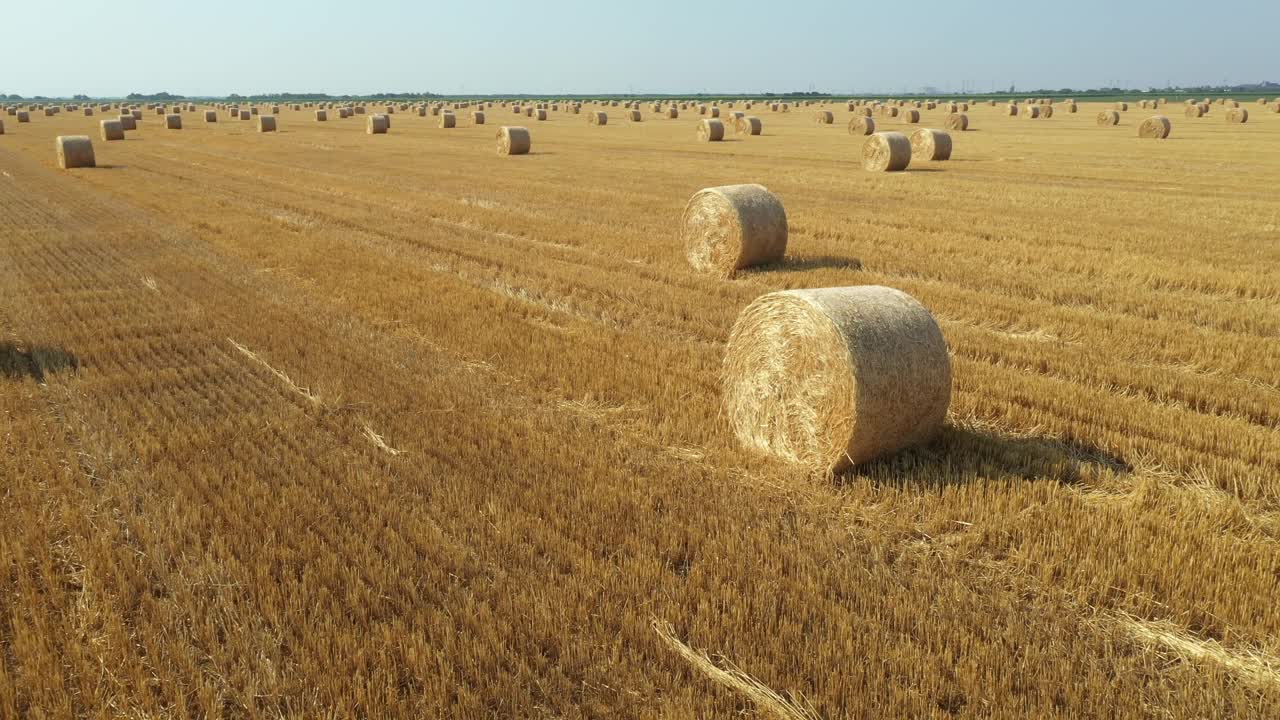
(662, 47)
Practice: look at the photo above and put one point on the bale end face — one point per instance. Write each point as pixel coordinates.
(376, 124)
(111, 130)
(929, 144)
(886, 152)
(1156, 127)
(513, 140)
(710, 130)
(861, 125)
(75, 151)
(729, 228)
(210, 116)
(173, 122)
(266, 123)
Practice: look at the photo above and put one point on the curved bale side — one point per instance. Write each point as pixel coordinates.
(861, 125)
(322, 116)
(266, 123)
(1107, 118)
(1156, 127)
(830, 378)
(886, 152)
(74, 151)
(111, 130)
(1237, 115)
(710, 130)
(911, 116)
(513, 140)
(173, 122)
(598, 117)
(956, 122)
(376, 124)
(726, 229)
(477, 117)
(824, 117)
(447, 120)
(929, 144)
(749, 125)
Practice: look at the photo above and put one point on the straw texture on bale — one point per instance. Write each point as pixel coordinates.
(1122, 106)
(956, 122)
(1237, 115)
(715, 112)
(173, 122)
(74, 151)
(513, 140)
(726, 229)
(246, 115)
(477, 117)
(211, 116)
(861, 125)
(376, 124)
(539, 114)
(23, 116)
(597, 117)
(634, 115)
(1156, 127)
(1108, 117)
(1011, 110)
(830, 378)
(673, 112)
(266, 123)
(1031, 112)
(824, 117)
(137, 114)
(886, 152)
(911, 116)
(128, 122)
(448, 120)
(88, 112)
(710, 130)
(1046, 111)
(112, 130)
(2, 127)
(750, 125)
(929, 144)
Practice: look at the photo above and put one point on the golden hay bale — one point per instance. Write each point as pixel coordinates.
(710, 130)
(830, 378)
(634, 115)
(861, 125)
(23, 116)
(88, 112)
(173, 122)
(137, 113)
(111, 130)
(928, 144)
(598, 117)
(749, 125)
(344, 113)
(1108, 117)
(1046, 111)
(1237, 115)
(715, 112)
(74, 151)
(266, 123)
(159, 111)
(864, 111)
(1156, 127)
(1031, 112)
(539, 114)
(672, 113)
(211, 116)
(528, 112)
(513, 140)
(376, 124)
(322, 116)
(477, 117)
(824, 117)
(911, 116)
(1070, 106)
(725, 229)
(891, 111)
(1193, 111)
(956, 122)
(359, 110)
(1122, 106)
(1011, 110)
(447, 120)
(246, 115)
(886, 152)
(128, 122)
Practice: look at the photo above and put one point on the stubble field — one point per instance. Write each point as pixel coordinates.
(324, 424)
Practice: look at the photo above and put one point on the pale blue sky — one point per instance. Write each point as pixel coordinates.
(215, 47)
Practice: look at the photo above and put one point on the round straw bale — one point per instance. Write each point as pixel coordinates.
(749, 125)
(891, 111)
(1046, 111)
(1108, 117)
(886, 152)
(715, 112)
(211, 116)
(128, 122)
(1156, 127)
(634, 115)
(540, 114)
(710, 130)
(911, 116)
(1122, 107)
(111, 130)
(956, 122)
(1193, 111)
(137, 114)
(597, 117)
(1031, 112)
(23, 116)
(88, 112)
(1011, 110)
(447, 120)
(246, 115)
(928, 144)
(728, 228)
(673, 113)
(266, 123)
(1237, 115)
(824, 117)
(513, 140)
(344, 113)
(173, 122)
(74, 151)
(829, 378)
(861, 125)
(322, 116)
(477, 117)
(376, 124)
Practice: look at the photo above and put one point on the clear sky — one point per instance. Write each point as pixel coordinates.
(216, 47)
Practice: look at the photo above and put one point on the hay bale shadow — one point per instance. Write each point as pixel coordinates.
(37, 362)
(801, 264)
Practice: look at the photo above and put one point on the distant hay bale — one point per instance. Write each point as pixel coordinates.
(344, 113)
(88, 112)
(861, 125)
(886, 152)
(710, 130)
(1122, 107)
(672, 113)
(477, 117)
(715, 112)
(824, 117)
(266, 123)
(376, 124)
(911, 116)
(322, 116)
(23, 116)
(159, 111)
(956, 122)
(74, 151)
(891, 111)
(634, 115)
(173, 122)
(448, 120)
(726, 229)
(246, 115)
(1032, 112)
(597, 117)
(128, 122)
(864, 111)
(1, 127)
(513, 140)
(749, 125)
(1108, 117)
(1237, 115)
(540, 114)
(211, 116)
(1011, 110)
(1156, 127)
(1193, 111)
(1070, 106)
(1046, 111)
(830, 378)
(929, 144)
(111, 130)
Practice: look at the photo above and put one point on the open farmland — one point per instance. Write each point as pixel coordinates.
(317, 423)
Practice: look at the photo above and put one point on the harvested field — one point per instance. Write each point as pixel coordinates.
(320, 424)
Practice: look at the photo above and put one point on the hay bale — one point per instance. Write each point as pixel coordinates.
(824, 117)
(128, 121)
(1011, 110)
(830, 378)
(715, 112)
(956, 122)
(322, 116)
(1, 127)
(528, 112)
(173, 122)
(710, 130)
(929, 144)
(911, 116)
(111, 130)
(634, 115)
(477, 117)
(74, 151)
(725, 229)
(1032, 112)
(749, 125)
(88, 112)
(540, 114)
(861, 125)
(1156, 127)
(137, 113)
(266, 123)
(886, 152)
(672, 113)
(246, 115)
(211, 116)
(1108, 117)
(1193, 111)
(1122, 107)
(598, 117)
(23, 116)
(1046, 111)
(376, 124)
(1237, 115)
(447, 120)
(513, 140)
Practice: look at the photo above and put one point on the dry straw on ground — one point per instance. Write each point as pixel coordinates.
(513, 140)
(111, 130)
(930, 144)
(710, 130)
(74, 151)
(1156, 127)
(729, 228)
(886, 152)
(833, 377)
(861, 125)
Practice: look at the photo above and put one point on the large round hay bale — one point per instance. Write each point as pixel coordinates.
(1, 127)
(911, 116)
(74, 151)
(886, 152)
(1108, 117)
(540, 114)
(830, 378)
(322, 115)
(266, 123)
(447, 120)
(715, 112)
(1156, 127)
(376, 124)
(672, 113)
(211, 116)
(1032, 112)
(1121, 107)
(111, 130)
(864, 111)
(513, 140)
(861, 125)
(1193, 111)
(956, 122)
(1237, 115)
(23, 116)
(597, 117)
(725, 229)
(1011, 110)
(246, 115)
(88, 112)
(137, 113)
(173, 122)
(891, 111)
(749, 125)
(929, 144)
(634, 115)
(1070, 107)
(128, 121)
(824, 117)
(1046, 111)
(477, 117)
(710, 130)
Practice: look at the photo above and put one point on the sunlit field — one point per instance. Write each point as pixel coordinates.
(318, 423)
